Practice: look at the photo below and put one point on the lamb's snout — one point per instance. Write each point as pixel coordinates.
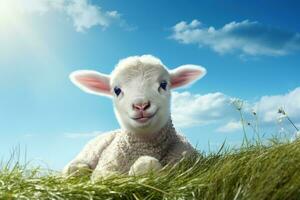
(141, 106)
(143, 111)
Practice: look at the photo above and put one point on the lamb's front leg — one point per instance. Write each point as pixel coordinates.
(109, 165)
(144, 164)
(88, 158)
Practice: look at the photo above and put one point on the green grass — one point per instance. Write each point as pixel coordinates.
(253, 172)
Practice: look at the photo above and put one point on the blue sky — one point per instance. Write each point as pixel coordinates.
(250, 50)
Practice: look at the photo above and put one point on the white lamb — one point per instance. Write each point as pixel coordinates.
(140, 88)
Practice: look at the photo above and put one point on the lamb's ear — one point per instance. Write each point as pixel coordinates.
(92, 82)
(185, 75)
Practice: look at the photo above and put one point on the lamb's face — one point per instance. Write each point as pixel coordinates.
(141, 96)
(140, 87)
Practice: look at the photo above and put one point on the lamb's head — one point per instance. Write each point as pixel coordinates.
(140, 87)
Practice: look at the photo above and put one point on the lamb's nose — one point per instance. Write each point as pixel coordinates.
(141, 106)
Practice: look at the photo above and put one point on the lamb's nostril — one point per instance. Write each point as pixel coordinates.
(137, 106)
(141, 106)
(146, 105)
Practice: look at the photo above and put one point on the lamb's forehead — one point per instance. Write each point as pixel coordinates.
(148, 67)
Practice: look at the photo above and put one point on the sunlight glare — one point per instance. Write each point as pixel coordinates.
(9, 12)
(18, 30)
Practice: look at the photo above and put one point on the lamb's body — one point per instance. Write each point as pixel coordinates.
(118, 150)
(140, 87)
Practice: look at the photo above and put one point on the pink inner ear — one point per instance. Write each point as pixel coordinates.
(94, 84)
(184, 77)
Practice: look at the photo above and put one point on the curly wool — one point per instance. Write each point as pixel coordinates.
(118, 150)
(127, 147)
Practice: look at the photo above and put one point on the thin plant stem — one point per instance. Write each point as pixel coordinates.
(257, 130)
(292, 123)
(243, 125)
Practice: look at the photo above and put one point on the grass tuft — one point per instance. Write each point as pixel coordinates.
(251, 172)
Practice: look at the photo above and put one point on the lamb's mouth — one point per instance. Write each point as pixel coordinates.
(145, 118)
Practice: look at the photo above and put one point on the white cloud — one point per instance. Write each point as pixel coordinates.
(190, 110)
(83, 13)
(29, 135)
(268, 106)
(231, 126)
(82, 135)
(195, 109)
(246, 38)
(40, 6)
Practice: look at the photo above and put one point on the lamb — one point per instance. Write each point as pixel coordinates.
(147, 140)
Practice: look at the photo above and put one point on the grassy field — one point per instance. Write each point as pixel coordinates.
(252, 172)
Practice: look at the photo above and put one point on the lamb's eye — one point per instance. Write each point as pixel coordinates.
(117, 90)
(163, 85)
